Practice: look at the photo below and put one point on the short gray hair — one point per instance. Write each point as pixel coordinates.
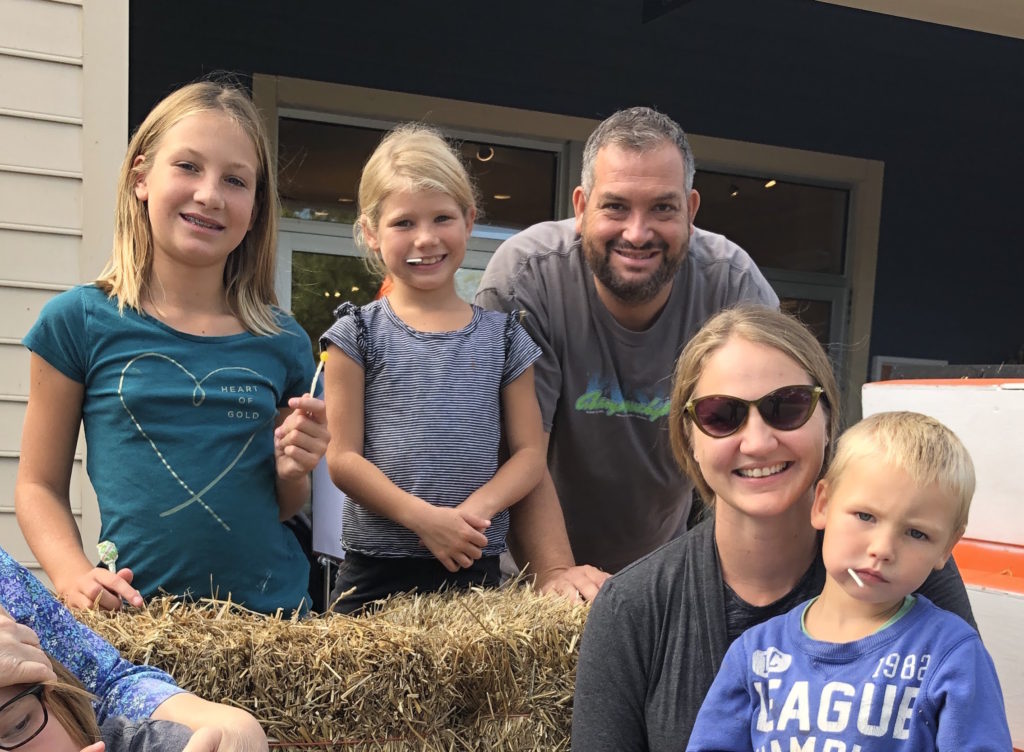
(637, 129)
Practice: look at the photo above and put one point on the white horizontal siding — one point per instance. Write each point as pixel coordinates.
(40, 145)
(14, 542)
(40, 87)
(40, 200)
(41, 27)
(14, 371)
(34, 256)
(21, 308)
(12, 416)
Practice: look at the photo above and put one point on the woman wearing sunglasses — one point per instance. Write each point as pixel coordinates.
(754, 415)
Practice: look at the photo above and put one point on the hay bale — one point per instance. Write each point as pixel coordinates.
(481, 670)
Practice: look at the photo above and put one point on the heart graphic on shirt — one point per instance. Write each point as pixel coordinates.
(194, 397)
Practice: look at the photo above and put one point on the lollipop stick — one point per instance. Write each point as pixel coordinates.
(316, 374)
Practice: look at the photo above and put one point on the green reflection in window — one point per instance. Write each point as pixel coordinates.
(321, 282)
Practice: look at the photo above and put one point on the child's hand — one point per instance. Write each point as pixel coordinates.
(454, 536)
(301, 438)
(100, 588)
(97, 747)
(476, 505)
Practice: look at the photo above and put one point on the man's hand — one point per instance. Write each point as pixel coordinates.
(100, 588)
(579, 583)
(22, 660)
(302, 437)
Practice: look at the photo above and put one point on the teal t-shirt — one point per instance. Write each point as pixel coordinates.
(180, 448)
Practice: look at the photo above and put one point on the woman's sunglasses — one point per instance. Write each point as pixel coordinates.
(785, 409)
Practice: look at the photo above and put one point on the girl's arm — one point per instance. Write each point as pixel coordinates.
(455, 538)
(524, 468)
(300, 440)
(41, 493)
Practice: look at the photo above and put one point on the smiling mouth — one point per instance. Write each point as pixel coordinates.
(763, 472)
(636, 255)
(426, 260)
(200, 222)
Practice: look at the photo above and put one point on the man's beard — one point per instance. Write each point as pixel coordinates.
(637, 291)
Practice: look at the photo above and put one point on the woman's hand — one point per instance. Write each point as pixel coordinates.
(22, 660)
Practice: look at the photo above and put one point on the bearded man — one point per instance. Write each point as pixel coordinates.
(612, 297)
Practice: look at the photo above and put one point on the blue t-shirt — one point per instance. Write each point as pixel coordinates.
(180, 448)
(432, 413)
(922, 684)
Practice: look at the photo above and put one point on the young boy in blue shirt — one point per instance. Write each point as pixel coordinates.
(866, 665)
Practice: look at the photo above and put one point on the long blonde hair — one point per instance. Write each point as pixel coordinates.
(249, 272)
(764, 326)
(412, 156)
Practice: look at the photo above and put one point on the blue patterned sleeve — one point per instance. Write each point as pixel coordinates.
(122, 687)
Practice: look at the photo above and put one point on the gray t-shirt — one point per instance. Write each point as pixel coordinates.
(604, 390)
(122, 735)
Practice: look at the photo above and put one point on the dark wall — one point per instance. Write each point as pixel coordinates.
(943, 108)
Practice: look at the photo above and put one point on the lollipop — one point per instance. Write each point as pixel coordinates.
(108, 554)
(316, 374)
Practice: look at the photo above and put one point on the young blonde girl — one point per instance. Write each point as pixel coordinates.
(181, 367)
(421, 386)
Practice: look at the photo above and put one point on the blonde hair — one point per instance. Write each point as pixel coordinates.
(762, 325)
(249, 272)
(413, 156)
(917, 444)
(68, 702)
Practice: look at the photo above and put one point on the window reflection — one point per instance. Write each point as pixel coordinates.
(319, 165)
(782, 225)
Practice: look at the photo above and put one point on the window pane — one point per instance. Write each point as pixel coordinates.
(319, 165)
(321, 282)
(516, 185)
(781, 225)
(816, 314)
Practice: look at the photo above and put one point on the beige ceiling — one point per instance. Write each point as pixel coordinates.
(1004, 17)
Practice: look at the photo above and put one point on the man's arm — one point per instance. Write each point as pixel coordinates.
(539, 542)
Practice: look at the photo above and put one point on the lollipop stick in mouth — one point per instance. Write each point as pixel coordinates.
(858, 580)
(316, 373)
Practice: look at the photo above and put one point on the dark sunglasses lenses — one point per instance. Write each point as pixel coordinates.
(785, 409)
